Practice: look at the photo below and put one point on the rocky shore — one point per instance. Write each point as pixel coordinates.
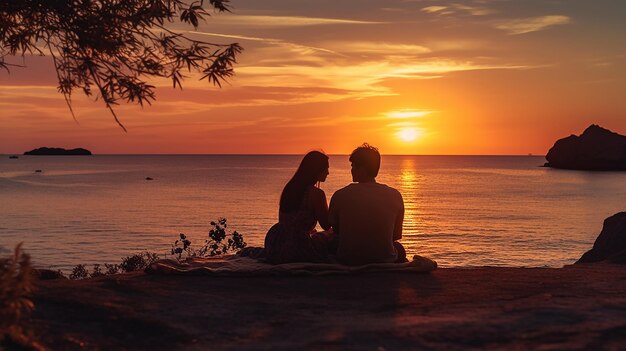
(578, 307)
(574, 308)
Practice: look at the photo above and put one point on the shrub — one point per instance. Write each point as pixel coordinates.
(79, 272)
(16, 284)
(112, 268)
(131, 263)
(219, 242)
(214, 245)
(138, 261)
(96, 271)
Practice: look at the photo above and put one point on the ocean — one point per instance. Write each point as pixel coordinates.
(462, 211)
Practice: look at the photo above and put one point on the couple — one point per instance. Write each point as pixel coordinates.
(362, 224)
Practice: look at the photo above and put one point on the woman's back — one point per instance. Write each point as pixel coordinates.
(289, 240)
(302, 217)
(302, 205)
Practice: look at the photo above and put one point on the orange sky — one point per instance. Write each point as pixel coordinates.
(462, 77)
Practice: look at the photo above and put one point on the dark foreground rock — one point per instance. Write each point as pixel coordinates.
(610, 246)
(596, 149)
(580, 307)
(57, 151)
(48, 274)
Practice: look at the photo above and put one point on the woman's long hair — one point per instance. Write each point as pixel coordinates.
(312, 165)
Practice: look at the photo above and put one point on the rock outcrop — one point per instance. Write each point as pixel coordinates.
(610, 246)
(596, 149)
(57, 151)
(48, 274)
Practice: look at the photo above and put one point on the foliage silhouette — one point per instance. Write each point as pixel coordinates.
(79, 272)
(214, 245)
(219, 242)
(16, 284)
(108, 48)
(131, 263)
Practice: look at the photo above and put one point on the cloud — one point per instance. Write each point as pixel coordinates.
(281, 21)
(434, 9)
(371, 47)
(363, 76)
(458, 9)
(304, 49)
(532, 24)
(10, 91)
(407, 114)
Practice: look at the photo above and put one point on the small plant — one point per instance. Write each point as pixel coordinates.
(182, 245)
(79, 272)
(96, 271)
(112, 268)
(16, 284)
(218, 242)
(131, 263)
(138, 261)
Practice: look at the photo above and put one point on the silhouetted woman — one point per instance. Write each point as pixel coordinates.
(302, 205)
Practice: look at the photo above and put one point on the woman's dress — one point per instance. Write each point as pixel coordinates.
(290, 239)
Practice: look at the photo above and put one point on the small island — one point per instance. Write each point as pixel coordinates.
(57, 151)
(596, 149)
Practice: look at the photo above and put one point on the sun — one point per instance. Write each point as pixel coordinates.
(408, 134)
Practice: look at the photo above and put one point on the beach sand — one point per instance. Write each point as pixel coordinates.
(573, 308)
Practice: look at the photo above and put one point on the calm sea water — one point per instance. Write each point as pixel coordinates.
(460, 210)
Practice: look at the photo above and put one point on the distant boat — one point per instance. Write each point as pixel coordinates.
(149, 178)
(13, 156)
(38, 171)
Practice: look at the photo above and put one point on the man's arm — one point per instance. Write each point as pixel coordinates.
(397, 229)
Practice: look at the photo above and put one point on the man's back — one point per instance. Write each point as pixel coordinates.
(366, 216)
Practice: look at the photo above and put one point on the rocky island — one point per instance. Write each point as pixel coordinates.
(596, 149)
(57, 151)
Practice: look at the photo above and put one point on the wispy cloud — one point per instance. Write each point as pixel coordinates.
(532, 24)
(459, 9)
(371, 47)
(407, 114)
(281, 21)
(303, 48)
(434, 9)
(364, 76)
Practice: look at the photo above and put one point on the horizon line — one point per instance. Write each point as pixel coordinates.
(275, 154)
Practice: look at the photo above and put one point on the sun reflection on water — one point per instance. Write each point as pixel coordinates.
(411, 184)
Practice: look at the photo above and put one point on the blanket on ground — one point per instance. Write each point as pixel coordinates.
(233, 265)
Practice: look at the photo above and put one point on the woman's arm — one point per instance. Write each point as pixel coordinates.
(320, 208)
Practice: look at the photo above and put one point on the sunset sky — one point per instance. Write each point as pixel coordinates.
(408, 76)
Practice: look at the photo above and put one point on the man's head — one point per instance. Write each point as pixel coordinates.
(365, 163)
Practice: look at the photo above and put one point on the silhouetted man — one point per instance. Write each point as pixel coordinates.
(367, 216)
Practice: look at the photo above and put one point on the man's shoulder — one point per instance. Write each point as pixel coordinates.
(383, 187)
(392, 192)
(392, 189)
(367, 188)
(343, 191)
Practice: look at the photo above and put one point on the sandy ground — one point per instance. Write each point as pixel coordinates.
(573, 308)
